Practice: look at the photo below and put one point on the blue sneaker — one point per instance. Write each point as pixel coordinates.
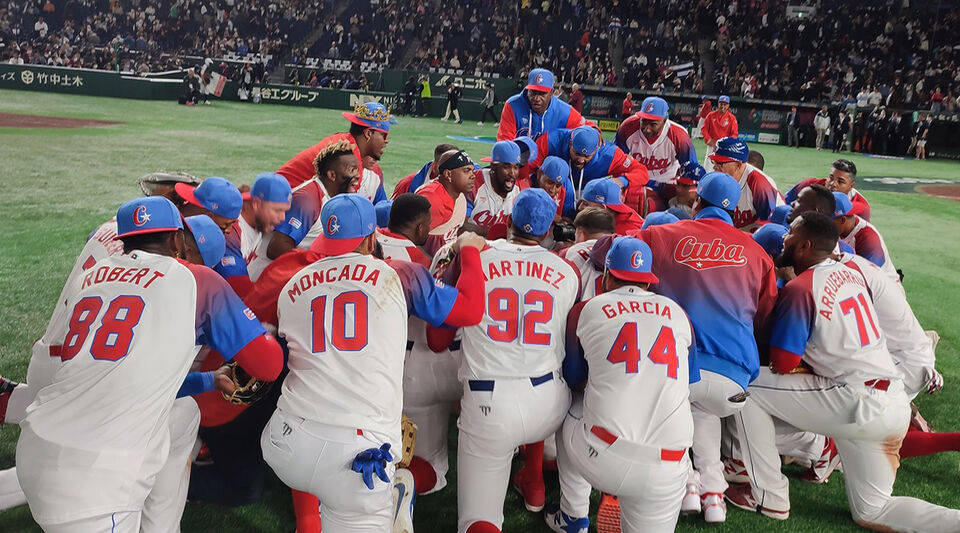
(561, 522)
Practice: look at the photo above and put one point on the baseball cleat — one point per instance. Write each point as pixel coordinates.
(404, 496)
(734, 471)
(714, 508)
(824, 466)
(608, 514)
(691, 500)
(561, 522)
(742, 496)
(531, 490)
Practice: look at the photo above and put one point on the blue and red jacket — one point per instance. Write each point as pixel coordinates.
(518, 118)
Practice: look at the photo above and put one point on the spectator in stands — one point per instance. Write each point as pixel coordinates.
(576, 98)
(821, 123)
(453, 102)
(488, 103)
(936, 100)
(626, 110)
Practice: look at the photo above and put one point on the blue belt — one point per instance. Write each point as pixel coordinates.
(454, 346)
(487, 384)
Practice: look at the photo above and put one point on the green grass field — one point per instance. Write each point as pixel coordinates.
(60, 184)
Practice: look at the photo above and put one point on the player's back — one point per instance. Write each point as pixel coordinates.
(529, 291)
(867, 242)
(637, 347)
(590, 277)
(845, 342)
(345, 322)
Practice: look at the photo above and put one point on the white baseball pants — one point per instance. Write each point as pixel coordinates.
(495, 418)
(650, 489)
(164, 505)
(708, 404)
(122, 522)
(867, 424)
(316, 458)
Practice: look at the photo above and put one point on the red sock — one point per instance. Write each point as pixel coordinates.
(918, 443)
(483, 527)
(306, 507)
(424, 476)
(533, 459)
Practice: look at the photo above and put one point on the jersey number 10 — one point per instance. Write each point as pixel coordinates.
(626, 350)
(340, 338)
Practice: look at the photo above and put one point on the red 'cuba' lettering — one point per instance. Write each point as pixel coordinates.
(705, 255)
(651, 162)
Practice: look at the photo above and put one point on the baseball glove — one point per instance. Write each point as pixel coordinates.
(409, 433)
(151, 182)
(248, 388)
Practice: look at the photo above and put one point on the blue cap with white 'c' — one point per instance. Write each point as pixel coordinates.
(654, 108)
(347, 219)
(725, 99)
(844, 205)
(730, 149)
(216, 195)
(150, 214)
(584, 140)
(691, 173)
(210, 240)
(506, 152)
(630, 259)
(533, 211)
(659, 218)
(720, 189)
(540, 79)
(271, 187)
(555, 169)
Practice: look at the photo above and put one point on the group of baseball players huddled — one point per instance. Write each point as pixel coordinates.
(658, 331)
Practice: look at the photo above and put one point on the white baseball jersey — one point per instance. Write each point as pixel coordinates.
(396, 246)
(489, 208)
(94, 438)
(529, 291)
(907, 342)
(826, 315)
(637, 347)
(250, 239)
(590, 278)
(759, 196)
(867, 242)
(663, 155)
(345, 321)
(369, 184)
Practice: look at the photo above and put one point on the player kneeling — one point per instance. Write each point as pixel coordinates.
(629, 436)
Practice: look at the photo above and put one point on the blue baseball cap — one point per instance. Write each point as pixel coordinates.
(720, 189)
(691, 173)
(780, 214)
(630, 259)
(533, 211)
(584, 140)
(505, 152)
(770, 238)
(216, 195)
(209, 238)
(725, 99)
(730, 149)
(602, 191)
(654, 108)
(540, 79)
(370, 115)
(347, 219)
(271, 187)
(526, 144)
(383, 212)
(659, 218)
(844, 205)
(556, 169)
(149, 214)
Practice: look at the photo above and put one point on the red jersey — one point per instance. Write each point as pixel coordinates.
(705, 110)
(627, 107)
(718, 125)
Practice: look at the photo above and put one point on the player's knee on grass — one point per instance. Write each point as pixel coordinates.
(483, 527)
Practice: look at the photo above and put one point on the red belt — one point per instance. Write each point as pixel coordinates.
(665, 454)
(879, 384)
(55, 350)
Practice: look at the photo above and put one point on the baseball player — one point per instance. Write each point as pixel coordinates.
(855, 395)
(512, 391)
(215, 197)
(427, 173)
(591, 224)
(661, 145)
(340, 404)
(494, 189)
(638, 347)
(535, 111)
(97, 435)
(447, 195)
(842, 178)
(759, 196)
(605, 194)
(337, 172)
(407, 230)
(590, 158)
(705, 108)
(726, 283)
(862, 236)
(719, 123)
(685, 190)
(264, 207)
(553, 176)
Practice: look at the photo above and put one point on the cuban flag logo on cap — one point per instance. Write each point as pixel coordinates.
(725, 202)
(599, 198)
(636, 260)
(333, 225)
(539, 78)
(140, 216)
(528, 228)
(202, 239)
